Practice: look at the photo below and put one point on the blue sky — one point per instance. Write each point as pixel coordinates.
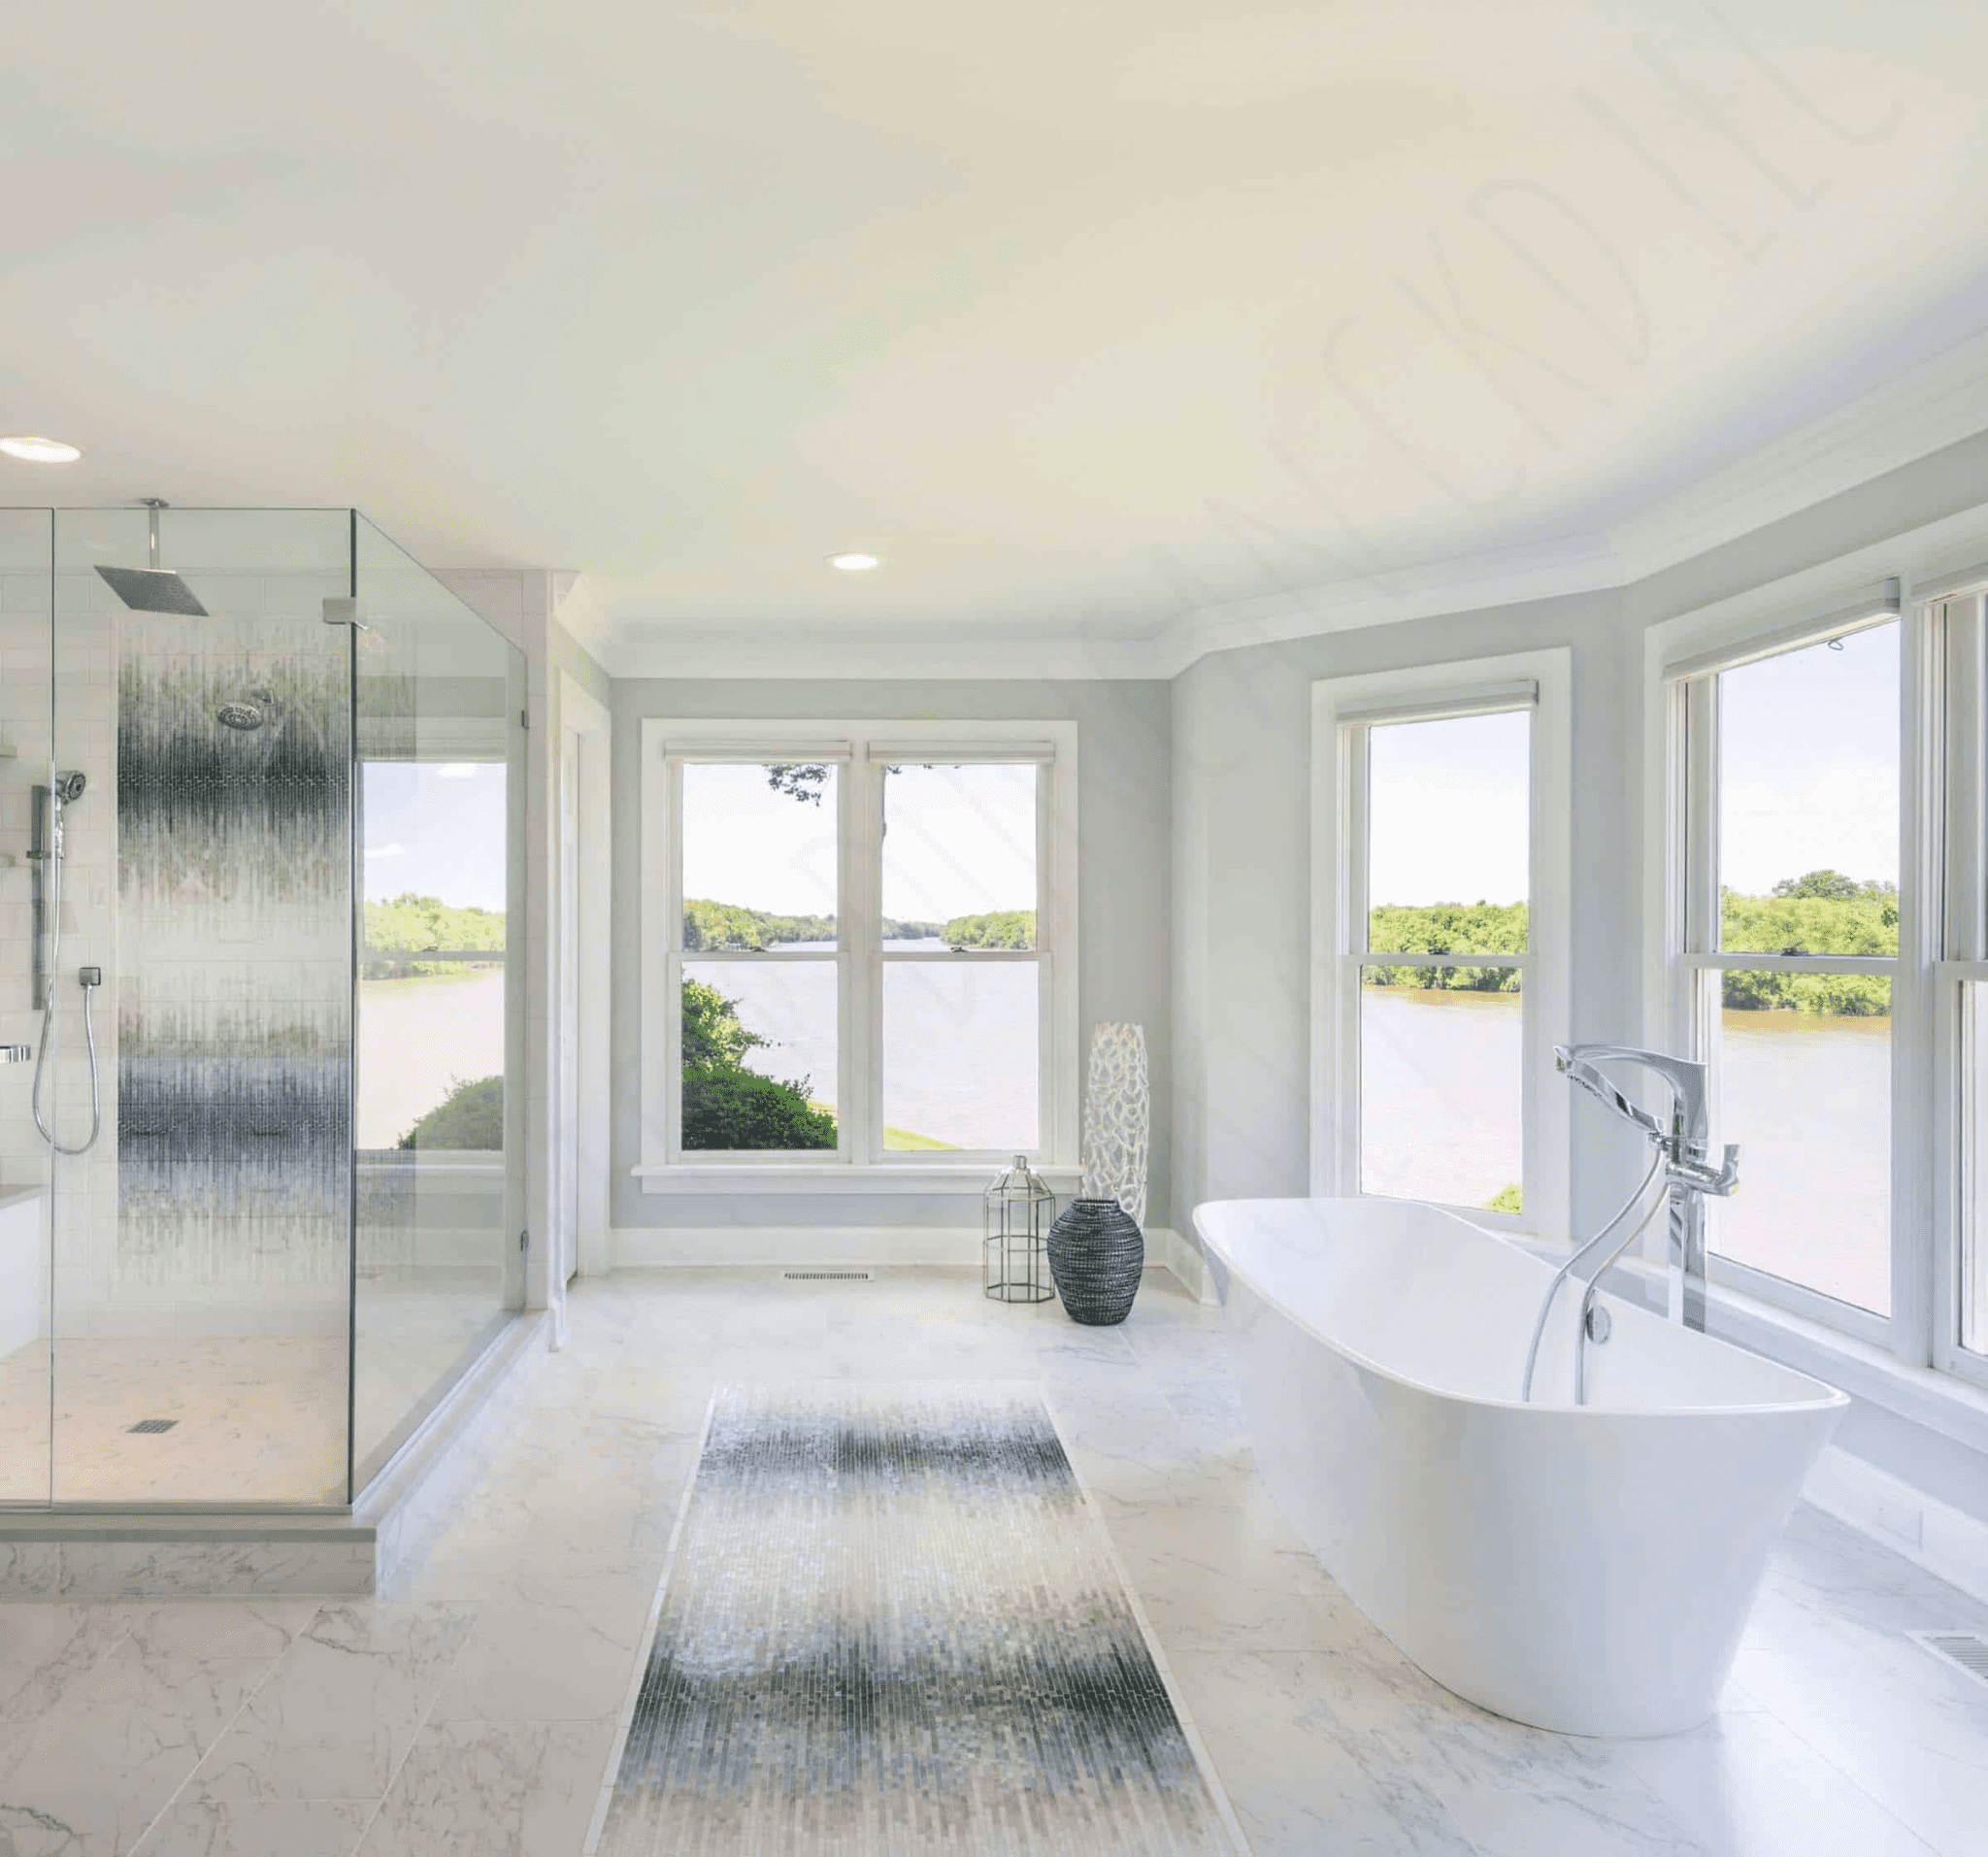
(1809, 745)
(436, 828)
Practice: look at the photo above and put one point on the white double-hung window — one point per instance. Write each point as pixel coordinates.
(1440, 819)
(1789, 903)
(859, 950)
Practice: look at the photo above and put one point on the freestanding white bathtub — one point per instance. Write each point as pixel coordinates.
(1583, 1569)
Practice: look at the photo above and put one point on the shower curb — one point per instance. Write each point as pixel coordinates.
(218, 1553)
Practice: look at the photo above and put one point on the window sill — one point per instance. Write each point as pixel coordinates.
(888, 1180)
(1942, 1403)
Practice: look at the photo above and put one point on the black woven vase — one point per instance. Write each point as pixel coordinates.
(1096, 1254)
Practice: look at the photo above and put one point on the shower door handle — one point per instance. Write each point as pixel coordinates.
(342, 610)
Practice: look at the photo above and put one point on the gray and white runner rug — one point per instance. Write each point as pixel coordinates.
(893, 1624)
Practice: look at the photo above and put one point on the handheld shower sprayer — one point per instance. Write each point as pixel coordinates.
(64, 790)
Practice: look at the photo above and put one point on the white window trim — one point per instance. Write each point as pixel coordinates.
(1337, 910)
(1924, 565)
(1961, 628)
(664, 1169)
(1690, 911)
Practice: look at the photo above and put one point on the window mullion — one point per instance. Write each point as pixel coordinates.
(673, 966)
(1352, 931)
(1954, 1018)
(859, 962)
(1700, 923)
(1049, 1109)
(1915, 1076)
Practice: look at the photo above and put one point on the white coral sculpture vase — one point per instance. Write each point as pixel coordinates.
(1118, 1118)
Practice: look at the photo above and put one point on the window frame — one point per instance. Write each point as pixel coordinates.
(1941, 909)
(1343, 709)
(861, 750)
(1958, 655)
(1693, 956)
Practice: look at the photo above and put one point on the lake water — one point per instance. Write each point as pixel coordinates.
(959, 1040)
(416, 1037)
(1808, 1098)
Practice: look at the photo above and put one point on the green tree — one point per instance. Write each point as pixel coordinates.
(1832, 885)
(1001, 928)
(403, 928)
(725, 1104)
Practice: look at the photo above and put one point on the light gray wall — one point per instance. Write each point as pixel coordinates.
(1124, 808)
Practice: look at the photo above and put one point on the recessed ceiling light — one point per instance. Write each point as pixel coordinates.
(32, 450)
(855, 563)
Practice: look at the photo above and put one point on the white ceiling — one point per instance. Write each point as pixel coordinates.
(1086, 318)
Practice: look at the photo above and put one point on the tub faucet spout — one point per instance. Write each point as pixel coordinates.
(1689, 1172)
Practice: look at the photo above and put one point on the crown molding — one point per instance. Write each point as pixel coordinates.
(1499, 577)
(650, 649)
(1935, 404)
(582, 618)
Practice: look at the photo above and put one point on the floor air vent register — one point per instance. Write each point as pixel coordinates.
(1965, 1650)
(826, 1277)
(155, 1424)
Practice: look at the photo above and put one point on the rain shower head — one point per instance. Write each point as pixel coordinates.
(153, 590)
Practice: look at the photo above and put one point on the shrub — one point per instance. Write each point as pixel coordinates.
(725, 1104)
(741, 1109)
(470, 1116)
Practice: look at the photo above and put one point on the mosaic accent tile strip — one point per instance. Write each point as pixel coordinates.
(893, 1624)
(232, 1106)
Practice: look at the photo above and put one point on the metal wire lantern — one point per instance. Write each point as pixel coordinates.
(1019, 1211)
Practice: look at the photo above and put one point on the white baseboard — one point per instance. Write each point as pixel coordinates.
(842, 1246)
(1935, 1534)
(1182, 1256)
(832, 1247)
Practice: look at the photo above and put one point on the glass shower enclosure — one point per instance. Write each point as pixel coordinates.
(261, 1004)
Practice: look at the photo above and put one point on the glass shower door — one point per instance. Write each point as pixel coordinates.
(26, 689)
(202, 1255)
(439, 1041)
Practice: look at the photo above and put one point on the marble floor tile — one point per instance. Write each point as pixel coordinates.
(1232, 1578)
(559, 1648)
(258, 1828)
(1296, 1790)
(1748, 1785)
(45, 1648)
(341, 1707)
(472, 1707)
(119, 1743)
(494, 1789)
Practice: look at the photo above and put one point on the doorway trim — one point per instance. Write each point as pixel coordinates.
(581, 1112)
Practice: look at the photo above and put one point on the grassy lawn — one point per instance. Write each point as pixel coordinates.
(899, 1141)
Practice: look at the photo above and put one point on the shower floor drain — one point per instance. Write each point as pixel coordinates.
(1965, 1650)
(155, 1424)
(826, 1277)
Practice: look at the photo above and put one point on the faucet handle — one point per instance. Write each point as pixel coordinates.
(1700, 1175)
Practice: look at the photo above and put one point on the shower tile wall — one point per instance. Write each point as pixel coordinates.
(234, 1005)
(201, 1269)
